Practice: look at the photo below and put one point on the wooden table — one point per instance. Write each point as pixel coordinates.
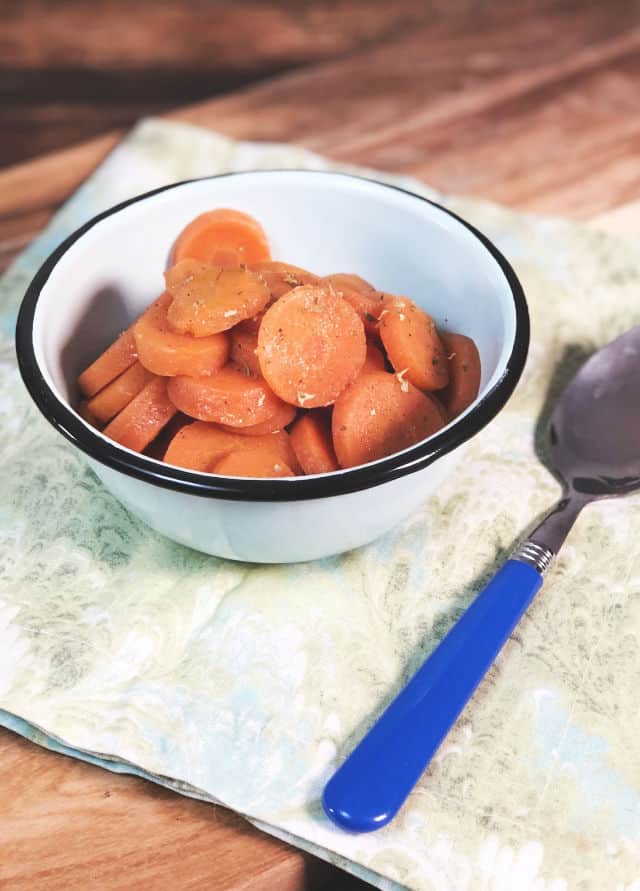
(532, 104)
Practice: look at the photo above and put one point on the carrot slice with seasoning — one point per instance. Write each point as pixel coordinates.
(368, 308)
(366, 301)
(165, 352)
(374, 360)
(222, 237)
(244, 346)
(282, 277)
(282, 417)
(117, 358)
(229, 397)
(313, 444)
(311, 345)
(210, 299)
(113, 398)
(145, 416)
(349, 281)
(254, 462)
(158, 446)
(200, 444)
(379, 415)
(252, 324)
(412, 343)
(464, 372)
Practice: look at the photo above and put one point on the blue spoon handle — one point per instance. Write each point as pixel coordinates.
(371, 785)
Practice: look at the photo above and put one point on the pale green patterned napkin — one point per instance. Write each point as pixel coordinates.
(246, 685)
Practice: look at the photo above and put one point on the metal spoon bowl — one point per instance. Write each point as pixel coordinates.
(594, 438)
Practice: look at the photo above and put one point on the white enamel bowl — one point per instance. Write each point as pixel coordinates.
(108, 271)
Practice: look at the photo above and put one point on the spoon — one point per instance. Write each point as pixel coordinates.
(595, 449)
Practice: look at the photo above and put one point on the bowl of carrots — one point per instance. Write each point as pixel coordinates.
(273, 366)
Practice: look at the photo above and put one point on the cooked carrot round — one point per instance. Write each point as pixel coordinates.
(374, 360)
(368, 307)
(165, 352)
(143, 418)
(311, 345)
(228, 397)
(117, 358)
(252, 348)
(222, 237)
(282, 417)
(312, 442)
(282, 277)
(366, 301)
(200, 444)
(210, 299)
(113, 398)
(158, 446)
(348, 281)
(85, 414)
(253, 324)
(379, 415)
(244, 345)
(412, 343)
(258, 462)
(464, 372)
(437, 401)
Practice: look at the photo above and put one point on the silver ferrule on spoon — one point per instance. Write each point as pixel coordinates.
(541, 546)
(539, 556)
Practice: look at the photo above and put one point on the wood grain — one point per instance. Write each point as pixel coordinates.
(490, 107)
(71, 70)
(66, 825)
(483, 104)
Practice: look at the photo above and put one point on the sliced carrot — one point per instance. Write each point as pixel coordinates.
(117, 358)
(200, 444)
(157, 447)
(311, 345)
(223, 237)
(283, 441)
(86, 415)
(113, 398)
(280, 440)
(165, 352)
(374, 360)
(197, 445)
(283, 416)
(444, 414)
(349, 281)
(229, 397)
(282, 277)
(368, 307)
(210, 299)
(253, 324)
(121, 355)
(366, 301)
(379, 415)
(145, 416)
(252, 462)
(312, 442)
(464, 372)
(412, 343)
(244, 345)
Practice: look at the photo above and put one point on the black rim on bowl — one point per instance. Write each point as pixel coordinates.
(287, 489)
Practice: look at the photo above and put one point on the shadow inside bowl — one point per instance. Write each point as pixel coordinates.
(104, 318)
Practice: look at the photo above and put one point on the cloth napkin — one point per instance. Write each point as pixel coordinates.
(246, 685)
